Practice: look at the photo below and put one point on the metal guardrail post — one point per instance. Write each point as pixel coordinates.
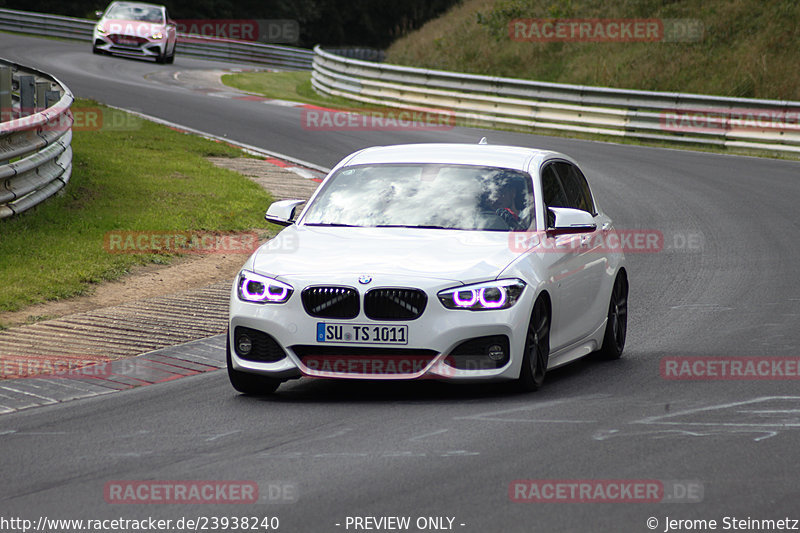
(6, 103)
(27, 95)
(41, 91)
(51, 97)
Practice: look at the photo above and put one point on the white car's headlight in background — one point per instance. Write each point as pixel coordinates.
(499, 294)
(157, 35)
(100, 29)
(256, 288)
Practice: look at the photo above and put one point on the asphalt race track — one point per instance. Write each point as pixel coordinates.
(425, 449)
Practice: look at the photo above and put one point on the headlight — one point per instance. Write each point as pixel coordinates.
(157, 35)
(260, 289)
(500, 294)
(100, 29)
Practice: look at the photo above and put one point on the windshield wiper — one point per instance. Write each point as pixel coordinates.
(412, 226)
(332, 224)
(421, 226)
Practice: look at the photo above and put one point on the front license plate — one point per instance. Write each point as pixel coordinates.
(127, 42)
(361, 333)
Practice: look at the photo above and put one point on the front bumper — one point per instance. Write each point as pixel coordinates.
(129, 45)
(435, 347)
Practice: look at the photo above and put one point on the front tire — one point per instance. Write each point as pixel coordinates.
(537, 348)
(162, 58)
(617, 320)
(245, 382)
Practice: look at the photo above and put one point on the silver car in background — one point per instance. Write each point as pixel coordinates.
(136, 29)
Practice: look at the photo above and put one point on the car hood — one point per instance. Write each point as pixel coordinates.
(462, 256)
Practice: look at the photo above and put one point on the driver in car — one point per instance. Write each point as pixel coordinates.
(506, 202)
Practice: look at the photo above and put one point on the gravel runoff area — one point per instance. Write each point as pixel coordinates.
(81, 354)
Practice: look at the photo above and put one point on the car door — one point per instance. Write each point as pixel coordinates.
(591, 256)
(574, 264)
(563, 263)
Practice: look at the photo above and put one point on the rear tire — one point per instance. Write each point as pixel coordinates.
(245, 382)
(617, 320)
(537, 348)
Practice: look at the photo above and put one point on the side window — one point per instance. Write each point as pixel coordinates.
(551, 188)
(575, 187)
(553, 192)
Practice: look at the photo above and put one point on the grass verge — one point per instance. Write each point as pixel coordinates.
(128, 175)
(293, 86)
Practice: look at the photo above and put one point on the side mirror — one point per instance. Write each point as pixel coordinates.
(568, 221)
(98, 14)
(283, 212)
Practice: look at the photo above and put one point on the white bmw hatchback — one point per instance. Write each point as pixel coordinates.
(444, 261)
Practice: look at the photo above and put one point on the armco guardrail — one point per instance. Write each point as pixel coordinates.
(356, 52)
(285, 57)
(35, 137)
(490, 101)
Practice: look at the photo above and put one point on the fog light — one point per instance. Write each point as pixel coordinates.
(244, 344)
(495, 352)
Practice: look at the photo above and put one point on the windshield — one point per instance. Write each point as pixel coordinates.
(135, 12)
(458, 197)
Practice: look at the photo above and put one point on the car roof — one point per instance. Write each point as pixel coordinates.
(127, 3)
(513, 157)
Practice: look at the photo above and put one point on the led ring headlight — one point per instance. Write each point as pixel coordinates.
(256, 288)
(499, 294)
